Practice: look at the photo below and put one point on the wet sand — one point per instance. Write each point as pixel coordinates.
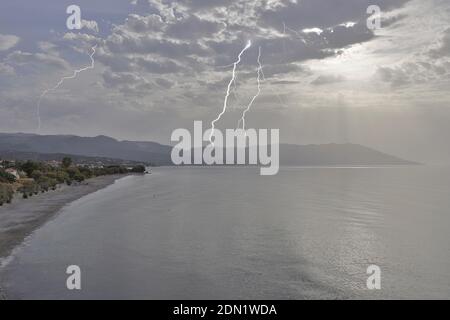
(22, 216)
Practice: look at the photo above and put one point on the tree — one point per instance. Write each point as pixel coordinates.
(66, 162)
(36, 175)
(29, 187)
(6, 193)
(6, 177)
(29, 166)
(138, 169)
(78, 177)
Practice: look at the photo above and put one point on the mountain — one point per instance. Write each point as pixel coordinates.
(335, 155)
(158, 154)
(100, 146)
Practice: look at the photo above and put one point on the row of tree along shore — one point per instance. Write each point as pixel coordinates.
(32, 177)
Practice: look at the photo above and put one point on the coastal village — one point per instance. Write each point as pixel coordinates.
(29, 178)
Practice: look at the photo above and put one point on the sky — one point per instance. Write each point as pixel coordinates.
(161, 65)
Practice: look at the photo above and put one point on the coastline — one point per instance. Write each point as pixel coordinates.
(20, 218)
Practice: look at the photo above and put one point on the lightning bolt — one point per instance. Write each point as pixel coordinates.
(258, 79)
(282, 103)
(225, 102)
(60, 83)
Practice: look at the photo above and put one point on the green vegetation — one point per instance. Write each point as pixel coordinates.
(42, 177)
(66, 162)
(6, 193)
(29, 188)
(6, 177)
(138, 169)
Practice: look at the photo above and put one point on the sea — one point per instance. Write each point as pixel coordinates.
(229, 233)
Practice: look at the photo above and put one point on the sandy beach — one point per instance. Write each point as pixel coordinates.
(22, 216)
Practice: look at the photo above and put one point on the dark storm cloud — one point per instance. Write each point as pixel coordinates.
(145, 44)
(194, 28)
(191, 40)
(163, 83)
(321, 13)
(206, 4)
(221, 30)
(342, 36)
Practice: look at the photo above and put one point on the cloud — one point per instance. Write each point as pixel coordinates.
(168, 62)
(47, 46)
(163, 83)
(8, 41)
(414, 73)
(285, 82)
(307, 14)
(317, 31)
(127, 83)
(6, 69)
(327, 79)
(274, 70)
(20, 58)
(140, 24)
(342, 36)
(80, 38)
(194, 27)
(193, 35)
(154, 66)
(443, 49)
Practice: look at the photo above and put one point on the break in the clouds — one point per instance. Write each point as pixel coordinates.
(162, 64)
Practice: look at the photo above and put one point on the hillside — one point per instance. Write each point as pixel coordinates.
(158, 154)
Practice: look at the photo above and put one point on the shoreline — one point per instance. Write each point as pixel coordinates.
(23, 216)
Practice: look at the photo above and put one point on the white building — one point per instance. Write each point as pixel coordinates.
(13, 172)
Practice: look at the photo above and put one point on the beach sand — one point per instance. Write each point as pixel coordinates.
(22, 216)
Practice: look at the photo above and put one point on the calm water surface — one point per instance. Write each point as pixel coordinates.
(228, 233)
